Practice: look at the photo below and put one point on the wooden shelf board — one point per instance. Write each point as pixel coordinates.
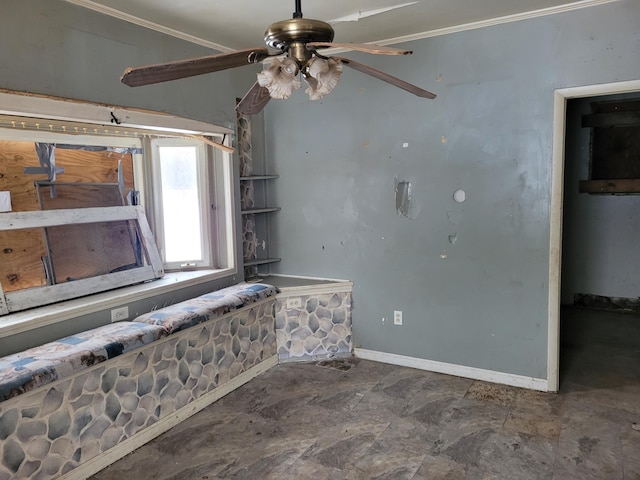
(249, 211)
(260, 261)
(259, 177)
(610, 186)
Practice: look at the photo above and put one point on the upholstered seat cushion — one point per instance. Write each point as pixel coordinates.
(27, 370)
(206, 307)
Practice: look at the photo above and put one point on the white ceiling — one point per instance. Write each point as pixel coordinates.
(237, 24)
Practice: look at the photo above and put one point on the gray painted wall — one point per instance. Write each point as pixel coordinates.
(56, 48)
(53, 47)
(482, 301)
(601, 232)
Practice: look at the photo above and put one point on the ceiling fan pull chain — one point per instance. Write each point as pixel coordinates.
(298, 12)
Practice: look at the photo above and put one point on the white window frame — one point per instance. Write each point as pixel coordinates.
(205, 192)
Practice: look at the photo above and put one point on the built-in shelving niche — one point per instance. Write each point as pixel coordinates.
(256, 182)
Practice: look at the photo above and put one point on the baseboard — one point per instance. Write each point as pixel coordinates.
(456, 370)
(127, 446)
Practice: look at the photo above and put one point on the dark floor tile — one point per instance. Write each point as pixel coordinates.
(342, 446)
(520, 456)
(631, 468)
(397, 453)
(535, 413)
(303, 469)
(342, 401)
(261, 465)
(386, 466)
(590, 446)
(630, 438)
(408, 382)
(471, 449)
(443, 468)
(408, 437)
(528, 422)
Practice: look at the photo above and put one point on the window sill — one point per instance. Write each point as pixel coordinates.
(34, 318)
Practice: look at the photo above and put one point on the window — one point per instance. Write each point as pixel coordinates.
(70, 159)
(182, 206)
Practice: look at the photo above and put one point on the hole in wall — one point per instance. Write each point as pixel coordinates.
(403, 198)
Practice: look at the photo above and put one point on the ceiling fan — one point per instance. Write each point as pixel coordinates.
(297, 42)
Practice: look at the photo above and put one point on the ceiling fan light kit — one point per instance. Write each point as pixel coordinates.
(299, 39)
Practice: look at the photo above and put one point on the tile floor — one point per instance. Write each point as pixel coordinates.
(366, 420)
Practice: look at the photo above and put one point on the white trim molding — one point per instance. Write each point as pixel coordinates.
(542, 12)
(95, 6)
(141, 22)
(453, 369)
(557, 191)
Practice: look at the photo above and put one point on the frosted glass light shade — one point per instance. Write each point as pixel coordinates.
(322, 76)
(280, 78)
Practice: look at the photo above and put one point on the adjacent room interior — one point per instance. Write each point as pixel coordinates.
(347, 260)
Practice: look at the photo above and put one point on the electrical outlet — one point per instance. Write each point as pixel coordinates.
(294, 302)
(119, 314)
(397, 317)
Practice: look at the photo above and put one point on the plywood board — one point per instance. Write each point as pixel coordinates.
(21, 255)
(21, 251)
(88, 250)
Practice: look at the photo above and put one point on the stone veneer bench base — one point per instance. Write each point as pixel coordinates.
(127, 446)
(95, 414)
(313, 318)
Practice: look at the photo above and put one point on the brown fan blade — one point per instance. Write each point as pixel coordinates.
(254, 100)
(163, 72)
(385, 77)
(361, 47)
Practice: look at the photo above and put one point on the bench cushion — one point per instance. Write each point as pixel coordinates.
(205, 307)
(27, 370)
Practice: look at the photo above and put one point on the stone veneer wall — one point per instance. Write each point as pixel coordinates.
(321, 327)
(52, 430)
(247, 197)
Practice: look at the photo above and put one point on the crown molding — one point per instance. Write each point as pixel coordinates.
(120, 15)
(543, 12)
(92, 5)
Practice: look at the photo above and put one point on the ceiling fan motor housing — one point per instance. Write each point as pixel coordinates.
(292, 35)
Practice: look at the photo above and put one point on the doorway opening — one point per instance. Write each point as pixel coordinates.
(593, 242)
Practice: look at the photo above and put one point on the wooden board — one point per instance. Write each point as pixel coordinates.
(620, 186)
(21, 255)
(27, 298)
(21, 251)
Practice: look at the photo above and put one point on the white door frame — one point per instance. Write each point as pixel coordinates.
(557, 191)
